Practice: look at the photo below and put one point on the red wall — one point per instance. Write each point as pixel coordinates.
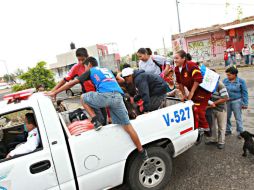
(238, 43)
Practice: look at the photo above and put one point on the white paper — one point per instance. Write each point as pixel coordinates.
(210, 80)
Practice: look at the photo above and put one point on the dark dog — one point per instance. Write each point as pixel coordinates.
(248, 143)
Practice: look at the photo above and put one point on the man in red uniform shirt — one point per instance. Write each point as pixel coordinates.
(77, 70)
(188, 74)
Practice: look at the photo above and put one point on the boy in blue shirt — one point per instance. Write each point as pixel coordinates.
(238, 99)
(108, 94)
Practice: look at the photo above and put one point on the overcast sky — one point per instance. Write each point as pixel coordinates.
(35, 30)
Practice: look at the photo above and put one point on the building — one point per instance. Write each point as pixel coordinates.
(239, 34)
(66, 60)
(208, 44)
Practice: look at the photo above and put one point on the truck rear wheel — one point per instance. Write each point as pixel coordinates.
(153, 174)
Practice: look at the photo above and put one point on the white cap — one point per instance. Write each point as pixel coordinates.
(127, 72)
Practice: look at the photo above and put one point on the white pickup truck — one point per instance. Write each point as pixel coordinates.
(92, 160)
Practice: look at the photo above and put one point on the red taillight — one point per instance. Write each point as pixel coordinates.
(18, 96)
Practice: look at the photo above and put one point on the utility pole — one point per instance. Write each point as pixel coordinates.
(4, 62)
(179, 24)
(165, 52)
(133, 43)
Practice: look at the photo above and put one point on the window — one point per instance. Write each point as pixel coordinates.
(19, 134)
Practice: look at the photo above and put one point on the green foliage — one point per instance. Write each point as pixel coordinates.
(170, 54)
(18, 87)
(134, 57)
(18, 72)
(36, 76)
(9, 78)
(121, 66)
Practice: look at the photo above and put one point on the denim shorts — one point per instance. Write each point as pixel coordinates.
(112, 100)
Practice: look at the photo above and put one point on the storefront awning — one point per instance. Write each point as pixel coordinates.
(237, 25)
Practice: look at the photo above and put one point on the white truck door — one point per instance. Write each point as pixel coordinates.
(30, 171)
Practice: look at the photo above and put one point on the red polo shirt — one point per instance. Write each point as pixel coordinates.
(78, 70)
(188, 76)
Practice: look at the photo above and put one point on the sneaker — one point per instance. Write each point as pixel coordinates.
(221, 146)
(97, 125)
(200, 137)
(144, 155)
(239, 137)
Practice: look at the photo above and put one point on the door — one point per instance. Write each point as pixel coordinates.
(33, 170)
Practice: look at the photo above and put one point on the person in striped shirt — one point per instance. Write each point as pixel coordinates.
(217, 116)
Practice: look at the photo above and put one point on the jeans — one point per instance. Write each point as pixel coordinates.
(247, 59)
(235, 106)
(227, 63)
(252, 59)
(112, 100)
(232, 60)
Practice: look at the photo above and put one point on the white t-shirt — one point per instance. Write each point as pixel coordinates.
(230, 51)
(180, 69)
(246, 51)
(150, 67)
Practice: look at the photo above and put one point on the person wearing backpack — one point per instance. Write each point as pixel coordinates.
(189, 75)
(153, 64)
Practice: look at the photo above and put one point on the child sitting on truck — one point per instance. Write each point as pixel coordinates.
(33, 139)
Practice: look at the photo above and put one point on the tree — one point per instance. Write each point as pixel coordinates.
(18, 72)
(36, 76)
(9, 78)
(134, 57)
(169, 54)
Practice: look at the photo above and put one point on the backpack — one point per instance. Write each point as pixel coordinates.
(162, 67)
(210, 78)
(77, 114)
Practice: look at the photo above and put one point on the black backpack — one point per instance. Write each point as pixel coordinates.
(77, 114)
(160, 66)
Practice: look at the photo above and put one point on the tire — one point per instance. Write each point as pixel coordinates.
(69, 93)
(154, 174)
